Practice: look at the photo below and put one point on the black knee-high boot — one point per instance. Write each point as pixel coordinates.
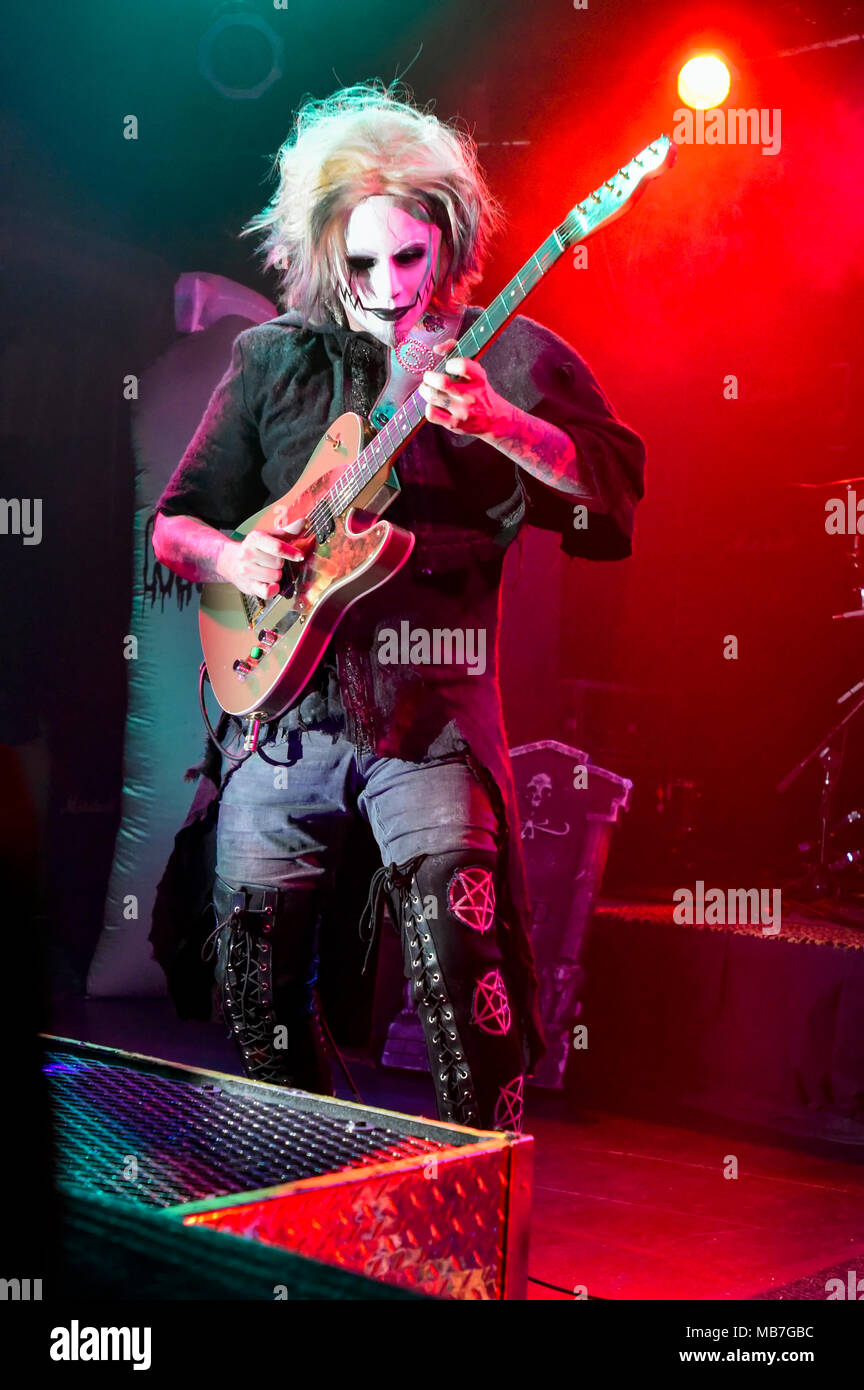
(452, 955)
(265, 974)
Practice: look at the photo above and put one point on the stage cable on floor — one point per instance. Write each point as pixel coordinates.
(338, 1055)
(589, 1298)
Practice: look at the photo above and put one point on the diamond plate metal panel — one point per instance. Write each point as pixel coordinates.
(438, 1228)
(157, 1141)
(427, 1206)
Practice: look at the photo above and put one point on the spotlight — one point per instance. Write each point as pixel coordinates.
(704, 81)
(240, 54)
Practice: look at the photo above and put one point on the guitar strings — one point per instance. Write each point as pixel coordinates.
(355, 473)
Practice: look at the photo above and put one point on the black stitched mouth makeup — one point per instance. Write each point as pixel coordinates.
(388, 315)
(392, 315)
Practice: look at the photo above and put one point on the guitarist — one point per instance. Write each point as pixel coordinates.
(378, 227)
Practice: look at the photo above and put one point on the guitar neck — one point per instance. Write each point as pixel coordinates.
(605, 203)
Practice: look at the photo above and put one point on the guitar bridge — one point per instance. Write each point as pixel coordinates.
(252, 608)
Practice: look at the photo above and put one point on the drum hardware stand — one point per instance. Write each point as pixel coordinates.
(831, 750)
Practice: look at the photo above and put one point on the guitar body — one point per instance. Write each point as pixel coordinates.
(260, 653)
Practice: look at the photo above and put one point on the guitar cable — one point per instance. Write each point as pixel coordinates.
(203, 676)
(214, 736)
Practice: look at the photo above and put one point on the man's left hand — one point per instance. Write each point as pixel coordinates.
(461, 399)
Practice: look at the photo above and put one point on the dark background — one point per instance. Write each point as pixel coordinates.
(734, 263)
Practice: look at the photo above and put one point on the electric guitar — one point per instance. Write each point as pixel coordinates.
(260, 653)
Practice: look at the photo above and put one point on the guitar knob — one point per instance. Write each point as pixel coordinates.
(242, 669)
(267, 637)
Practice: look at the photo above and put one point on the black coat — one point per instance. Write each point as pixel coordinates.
(465, 502)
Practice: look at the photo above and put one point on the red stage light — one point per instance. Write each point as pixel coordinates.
(704, 81)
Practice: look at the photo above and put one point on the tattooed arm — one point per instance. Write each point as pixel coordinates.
(541, 448)
(463, 400)
(200, 553)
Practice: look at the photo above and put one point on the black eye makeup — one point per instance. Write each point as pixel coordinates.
(407, 256)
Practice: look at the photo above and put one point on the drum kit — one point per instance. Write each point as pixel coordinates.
(835, 857)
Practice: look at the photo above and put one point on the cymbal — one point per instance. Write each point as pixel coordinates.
(835, 482)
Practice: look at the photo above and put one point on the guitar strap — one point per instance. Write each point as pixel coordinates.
(406, 364)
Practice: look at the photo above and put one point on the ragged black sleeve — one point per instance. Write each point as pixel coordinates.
(538, 371)
(218, 479)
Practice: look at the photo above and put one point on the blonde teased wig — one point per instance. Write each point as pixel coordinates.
(360, 142)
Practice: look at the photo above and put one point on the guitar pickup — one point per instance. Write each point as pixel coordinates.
(324, 523)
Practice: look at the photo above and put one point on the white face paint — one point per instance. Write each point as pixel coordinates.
(393, 261)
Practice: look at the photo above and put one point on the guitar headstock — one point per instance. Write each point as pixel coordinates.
(614, 196)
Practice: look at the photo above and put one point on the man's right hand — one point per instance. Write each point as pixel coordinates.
(254, 565)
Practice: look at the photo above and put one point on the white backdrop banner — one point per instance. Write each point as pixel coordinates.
(164, 731)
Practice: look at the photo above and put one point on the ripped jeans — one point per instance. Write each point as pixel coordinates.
(283, 827)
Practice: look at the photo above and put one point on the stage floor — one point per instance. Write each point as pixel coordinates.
(624, 1207)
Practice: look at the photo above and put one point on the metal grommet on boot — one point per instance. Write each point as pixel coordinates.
(451, 1077)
